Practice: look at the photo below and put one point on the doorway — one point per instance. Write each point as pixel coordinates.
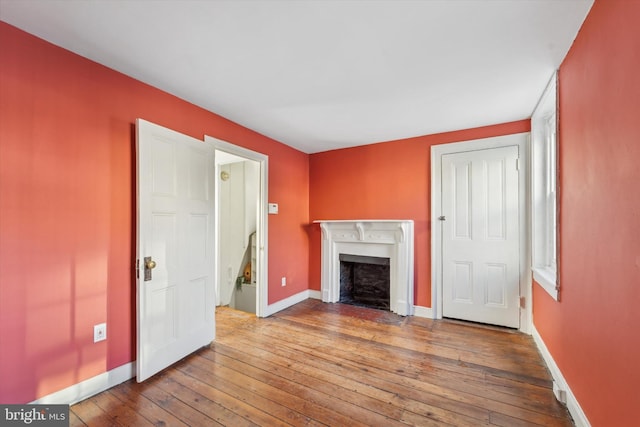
(480, 261)
(236, 204)
(241, 227)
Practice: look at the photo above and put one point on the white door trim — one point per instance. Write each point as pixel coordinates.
(262, 232)
(437, 151)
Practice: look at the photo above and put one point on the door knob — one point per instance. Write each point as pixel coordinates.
(149, 264)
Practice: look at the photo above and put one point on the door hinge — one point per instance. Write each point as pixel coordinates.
(523, 302)
(518, 164)
(137, 269)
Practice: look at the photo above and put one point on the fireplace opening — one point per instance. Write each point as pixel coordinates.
(365, 281)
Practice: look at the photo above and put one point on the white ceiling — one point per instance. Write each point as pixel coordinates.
(319, 75)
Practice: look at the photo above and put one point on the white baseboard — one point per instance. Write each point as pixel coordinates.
(288, 302)
(315, 294)
(560, 387)
(90, 387)
(420, 311)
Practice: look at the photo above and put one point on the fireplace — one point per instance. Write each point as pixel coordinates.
(365, 281)
(387, 239)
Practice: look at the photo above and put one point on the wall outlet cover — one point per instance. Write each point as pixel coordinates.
(99, 332)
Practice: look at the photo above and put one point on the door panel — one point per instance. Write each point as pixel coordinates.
(462, 201)
(496, 206)
(496, 285)
(462, 289)
(480, 242)
(175, 308)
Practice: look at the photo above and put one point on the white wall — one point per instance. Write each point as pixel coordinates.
(237, 210)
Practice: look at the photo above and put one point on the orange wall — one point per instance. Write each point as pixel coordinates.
(592, 332)
(67, 211)
(389, 180)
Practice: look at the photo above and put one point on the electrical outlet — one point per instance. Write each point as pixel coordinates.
(100, 332)
(284, 281)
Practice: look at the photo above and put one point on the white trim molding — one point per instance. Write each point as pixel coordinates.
(544, 189)
(315, 294)
(289, 301)
(90, 387)
(546, 278)
(560, 386)
(262, 232)
(426, 312)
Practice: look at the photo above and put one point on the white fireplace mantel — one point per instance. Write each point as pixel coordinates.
(391, 239)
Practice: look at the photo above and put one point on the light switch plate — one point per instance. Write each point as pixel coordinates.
(273, 208)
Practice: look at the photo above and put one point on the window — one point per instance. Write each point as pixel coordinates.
(544, 189)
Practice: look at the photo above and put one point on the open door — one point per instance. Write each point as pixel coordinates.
(175, 247)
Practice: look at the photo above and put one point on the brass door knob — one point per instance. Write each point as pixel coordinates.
(150, 264)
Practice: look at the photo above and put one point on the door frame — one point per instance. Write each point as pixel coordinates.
(437, 151)
(262, 222)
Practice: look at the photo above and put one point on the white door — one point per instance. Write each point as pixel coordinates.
(175, 285)
(480, 236)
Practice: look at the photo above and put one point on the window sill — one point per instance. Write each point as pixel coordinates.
(547, 280)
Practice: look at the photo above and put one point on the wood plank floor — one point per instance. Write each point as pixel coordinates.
(339, 365)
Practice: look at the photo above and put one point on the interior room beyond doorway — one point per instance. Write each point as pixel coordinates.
(237, 184)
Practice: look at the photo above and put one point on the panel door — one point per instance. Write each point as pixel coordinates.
(480, 241)
(176, 302)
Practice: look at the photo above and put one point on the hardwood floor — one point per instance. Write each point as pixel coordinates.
(339, 365)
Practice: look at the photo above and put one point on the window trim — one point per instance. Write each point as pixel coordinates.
(544, 186)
